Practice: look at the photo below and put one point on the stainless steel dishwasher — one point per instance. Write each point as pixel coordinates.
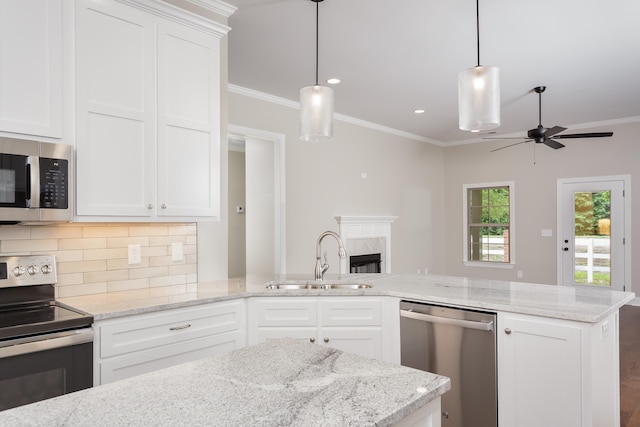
(459, 344)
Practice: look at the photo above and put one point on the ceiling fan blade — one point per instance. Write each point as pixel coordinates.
(504, 137)
(553, 144)
(552, 131)
(511, 145)
(586, 135)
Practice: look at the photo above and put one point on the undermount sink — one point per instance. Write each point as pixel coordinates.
(299, 286)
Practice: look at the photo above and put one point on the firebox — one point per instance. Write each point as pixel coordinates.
(368, 263)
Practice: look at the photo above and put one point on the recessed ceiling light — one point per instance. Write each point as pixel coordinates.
(419, 111)
(475, 130)
(333, 81)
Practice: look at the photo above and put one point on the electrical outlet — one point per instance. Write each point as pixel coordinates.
(519, 274)
(134, 254)
(177, 254)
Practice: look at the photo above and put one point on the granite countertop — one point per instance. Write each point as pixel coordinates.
(578, 303)
(281, 382)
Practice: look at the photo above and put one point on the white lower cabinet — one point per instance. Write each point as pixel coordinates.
(555, 372)
(133, 345)
(360, 325)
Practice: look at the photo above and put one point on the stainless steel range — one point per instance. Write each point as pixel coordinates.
(46, 347)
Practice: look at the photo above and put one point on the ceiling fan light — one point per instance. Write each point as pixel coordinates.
(479, 98)
(316, 113)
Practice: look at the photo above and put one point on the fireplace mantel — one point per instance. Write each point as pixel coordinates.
(362, 227)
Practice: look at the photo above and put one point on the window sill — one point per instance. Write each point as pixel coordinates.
(487, 264)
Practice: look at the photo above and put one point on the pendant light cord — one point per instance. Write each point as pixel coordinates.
(317, 36)
(478, 29)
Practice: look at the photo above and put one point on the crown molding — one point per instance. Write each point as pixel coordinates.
(240, 90)
(179, 15)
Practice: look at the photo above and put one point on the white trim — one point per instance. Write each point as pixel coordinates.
(216, 6)
(626, 179)
(343, 118)
(512, 225)
(280, 223)
(179, 15)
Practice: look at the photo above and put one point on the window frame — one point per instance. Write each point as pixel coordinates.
(465, 225)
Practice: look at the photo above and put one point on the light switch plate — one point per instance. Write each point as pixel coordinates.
(177, 253)
(546, 232)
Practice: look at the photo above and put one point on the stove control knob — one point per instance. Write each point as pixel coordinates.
(32, 269)
(46, 269)
(18, 271)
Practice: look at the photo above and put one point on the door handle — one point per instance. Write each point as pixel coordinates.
(447, 321)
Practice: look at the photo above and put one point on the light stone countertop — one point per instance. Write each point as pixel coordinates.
(277, 383)
(578, 303)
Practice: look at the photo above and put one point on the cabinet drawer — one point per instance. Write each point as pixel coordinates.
(160, 329)
(351, 312)
(118, 368)
(285, 311)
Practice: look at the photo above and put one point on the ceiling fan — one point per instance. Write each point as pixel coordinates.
(542, 135)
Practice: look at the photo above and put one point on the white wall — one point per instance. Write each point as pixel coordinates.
(405, 178)
(536, 194)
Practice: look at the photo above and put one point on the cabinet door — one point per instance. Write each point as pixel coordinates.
(188, 122)
(540, 372)
(31, 67)
(366, 342)
(115, 72)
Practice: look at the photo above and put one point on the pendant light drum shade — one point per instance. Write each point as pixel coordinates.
(479, 98)
(316, 113)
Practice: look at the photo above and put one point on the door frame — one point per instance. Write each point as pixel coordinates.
(626, 179)
(280, 225)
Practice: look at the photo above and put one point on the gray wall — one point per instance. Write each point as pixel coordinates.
(405, 178)
(536, 194)
(237, 223)
(422, 184)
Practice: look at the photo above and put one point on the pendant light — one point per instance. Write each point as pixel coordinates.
(316, 105)
(479, 93)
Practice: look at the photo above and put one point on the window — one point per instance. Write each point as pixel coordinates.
(488, 224)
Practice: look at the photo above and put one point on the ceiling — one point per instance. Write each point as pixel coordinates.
(395, 56)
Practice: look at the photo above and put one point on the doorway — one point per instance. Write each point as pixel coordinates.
(593, 228)
(256, 229)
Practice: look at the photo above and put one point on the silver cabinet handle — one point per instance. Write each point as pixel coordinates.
(447, 321)
(507, 331)
(163, 206)
(326, 339)
(177, 328)
(312, 339)
(149, 206)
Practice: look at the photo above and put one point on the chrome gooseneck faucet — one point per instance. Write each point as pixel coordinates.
(320, 267)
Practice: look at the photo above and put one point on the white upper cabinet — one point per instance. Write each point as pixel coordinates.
(188, 122)
(148, 113)
(31, 61)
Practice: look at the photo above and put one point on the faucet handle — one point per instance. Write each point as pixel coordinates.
(325, 266)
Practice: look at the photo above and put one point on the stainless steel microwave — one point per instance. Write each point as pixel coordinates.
(35, 181)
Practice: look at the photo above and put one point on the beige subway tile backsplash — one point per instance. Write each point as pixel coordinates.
(92, 258)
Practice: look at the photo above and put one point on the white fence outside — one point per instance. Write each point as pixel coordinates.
(496, 247)
(591, 255)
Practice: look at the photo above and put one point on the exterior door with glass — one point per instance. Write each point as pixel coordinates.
(591, 229)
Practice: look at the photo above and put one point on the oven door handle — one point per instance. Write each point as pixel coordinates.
(45, 342)
(471, 324)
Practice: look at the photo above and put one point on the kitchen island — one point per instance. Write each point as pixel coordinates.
(278, 383)
(564, 338)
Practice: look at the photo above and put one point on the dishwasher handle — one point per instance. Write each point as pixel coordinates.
(471, 324)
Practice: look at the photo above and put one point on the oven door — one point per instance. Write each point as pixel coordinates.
(39, 368)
